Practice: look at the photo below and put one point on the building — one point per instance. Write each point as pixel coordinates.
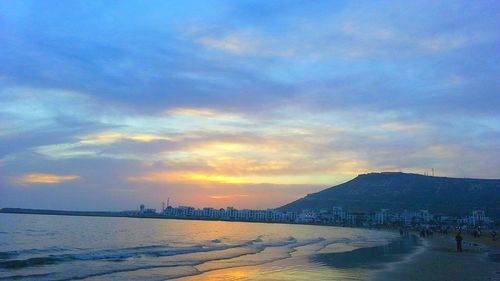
(334, 216)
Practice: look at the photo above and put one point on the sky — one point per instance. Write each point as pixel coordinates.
(105, 105)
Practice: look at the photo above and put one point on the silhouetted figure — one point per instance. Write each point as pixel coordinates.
(459, 240)
(493, 235)
(401, 232)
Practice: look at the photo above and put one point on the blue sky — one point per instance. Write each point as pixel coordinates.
(107, 104)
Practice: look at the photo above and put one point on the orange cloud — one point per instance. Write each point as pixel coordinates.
(201, 113)
(44, 179)
(113, 137)
(227, 196)
(202, 178)
(188, 177)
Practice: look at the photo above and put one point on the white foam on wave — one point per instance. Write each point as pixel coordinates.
(219, 253)
(218, 257)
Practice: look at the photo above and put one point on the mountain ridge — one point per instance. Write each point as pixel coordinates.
(406, 191)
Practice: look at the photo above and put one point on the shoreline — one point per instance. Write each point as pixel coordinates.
(435, 259)
(438, 260)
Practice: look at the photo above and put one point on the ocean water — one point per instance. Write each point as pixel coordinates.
(37, 247)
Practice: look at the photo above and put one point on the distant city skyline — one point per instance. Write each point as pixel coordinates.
(252, 104)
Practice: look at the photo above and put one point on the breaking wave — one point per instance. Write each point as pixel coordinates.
(185, 258)
(115, 249)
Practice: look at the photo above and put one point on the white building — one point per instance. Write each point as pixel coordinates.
(425, 216)
(338, 214)
(381, 217)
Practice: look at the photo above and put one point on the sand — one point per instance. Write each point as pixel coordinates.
(438, 260)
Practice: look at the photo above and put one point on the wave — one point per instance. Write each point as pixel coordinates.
(7, 255)
(12, 264)
(333, 242)
(12, 254)
(247, 248)
(136, 268)
(38, 250)
(258, 239)
(207, 264)
(108, 255)
(29, 277)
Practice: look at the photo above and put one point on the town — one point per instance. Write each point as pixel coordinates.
(336, 216)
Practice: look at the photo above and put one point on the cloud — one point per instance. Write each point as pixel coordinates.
(354, 47)
(400, 126)
(177, 98)
(233, 44)
(248, 44)
(228, 196)
(187, 114)
(44, 179)
(108, 137)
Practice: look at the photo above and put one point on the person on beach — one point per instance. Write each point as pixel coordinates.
(459, 240)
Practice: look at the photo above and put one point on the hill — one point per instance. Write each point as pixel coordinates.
(400, 191)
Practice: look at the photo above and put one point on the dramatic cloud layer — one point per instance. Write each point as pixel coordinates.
(105, 105)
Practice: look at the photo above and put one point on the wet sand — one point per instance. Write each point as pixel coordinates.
(376, 257)
(318, 263)
(437, 260)
(409, 258)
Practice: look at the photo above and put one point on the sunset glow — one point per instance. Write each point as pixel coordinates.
(224, 103)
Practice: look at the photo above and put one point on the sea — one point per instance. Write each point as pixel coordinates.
(45, 247)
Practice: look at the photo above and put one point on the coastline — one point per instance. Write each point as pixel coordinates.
(437, 260)
(121, 249)
(434, 259)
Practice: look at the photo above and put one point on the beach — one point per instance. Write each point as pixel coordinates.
(37, 247)
(105, 248)
(438, 260)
